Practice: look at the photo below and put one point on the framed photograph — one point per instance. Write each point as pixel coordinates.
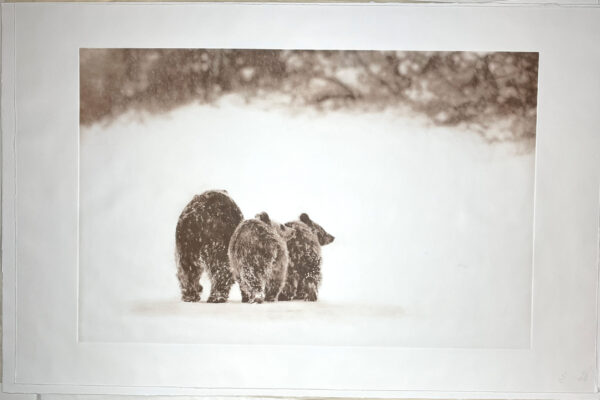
(300, 200)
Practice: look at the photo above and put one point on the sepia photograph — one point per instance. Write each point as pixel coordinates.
(306, 197)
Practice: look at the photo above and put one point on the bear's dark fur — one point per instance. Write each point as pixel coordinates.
(304, 249)
(202, 239)
(259, 259)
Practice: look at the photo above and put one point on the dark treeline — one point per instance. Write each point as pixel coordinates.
(450, 88)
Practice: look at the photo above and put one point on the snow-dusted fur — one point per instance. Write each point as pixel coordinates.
(258, 258)
(304, 248)
(202, 238)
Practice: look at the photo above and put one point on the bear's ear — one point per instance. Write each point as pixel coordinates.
(264, 217)
(304, 218)
(286, 232)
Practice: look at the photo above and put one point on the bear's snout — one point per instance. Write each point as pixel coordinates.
(329, 239)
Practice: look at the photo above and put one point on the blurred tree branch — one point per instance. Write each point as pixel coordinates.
(449, 88)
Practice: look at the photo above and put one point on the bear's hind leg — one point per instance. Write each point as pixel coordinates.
(252, 286)
(188, 273)
(275, 285)
(308, 290)
(250, 295)
(257, 295)
(289, 289)
(221, 281)
(311, 290)
(273, 290)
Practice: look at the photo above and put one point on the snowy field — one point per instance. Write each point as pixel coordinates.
(433, 227)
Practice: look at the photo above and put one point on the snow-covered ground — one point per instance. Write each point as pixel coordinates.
(433, 226)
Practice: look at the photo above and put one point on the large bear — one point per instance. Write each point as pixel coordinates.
(304, 249)
(202, 240)
(258, 258)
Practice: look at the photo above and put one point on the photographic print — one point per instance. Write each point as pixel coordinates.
(306, 197)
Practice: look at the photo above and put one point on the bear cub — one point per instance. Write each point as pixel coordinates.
(202, 238)
(258, 258)
(304, 249)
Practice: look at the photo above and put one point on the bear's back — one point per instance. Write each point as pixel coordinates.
(303, 244)
(256, 245)
(256, 237)
(208, 220)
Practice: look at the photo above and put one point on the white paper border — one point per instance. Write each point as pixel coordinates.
(548, 376)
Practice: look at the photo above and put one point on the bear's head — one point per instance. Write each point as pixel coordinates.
(282, 230)
(324, 237)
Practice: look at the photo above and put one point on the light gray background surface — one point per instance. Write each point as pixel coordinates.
(115, 397)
